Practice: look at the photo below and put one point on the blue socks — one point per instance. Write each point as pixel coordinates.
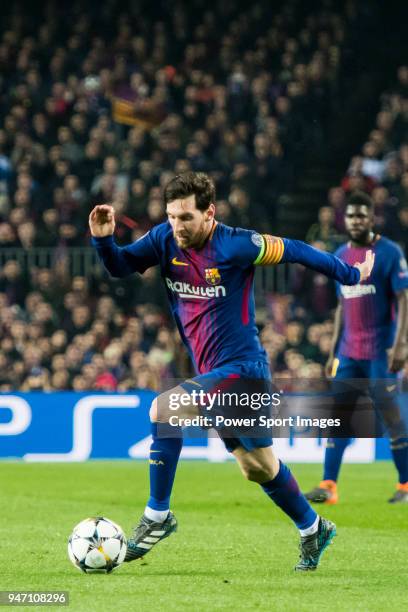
(333, 457)
(164, 456)
(285, 492)
(399, 450)
(283, 489)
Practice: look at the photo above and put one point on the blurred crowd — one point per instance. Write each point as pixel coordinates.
(62, 333)
(380, 169)
(104, 104)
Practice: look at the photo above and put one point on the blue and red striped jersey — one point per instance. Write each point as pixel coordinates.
(211, 289)
(369, 308)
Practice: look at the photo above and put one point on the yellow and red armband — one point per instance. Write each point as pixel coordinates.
(271, 252)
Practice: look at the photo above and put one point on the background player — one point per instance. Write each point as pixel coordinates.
(208, 269)
(370, 341)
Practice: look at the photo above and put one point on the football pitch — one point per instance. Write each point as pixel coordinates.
(233, 551)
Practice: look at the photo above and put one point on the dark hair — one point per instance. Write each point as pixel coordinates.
(191, 183)
(360, 198)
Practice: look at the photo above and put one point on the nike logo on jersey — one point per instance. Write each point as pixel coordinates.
(175, 262)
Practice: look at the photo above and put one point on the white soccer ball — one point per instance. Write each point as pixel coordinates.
(97, 545)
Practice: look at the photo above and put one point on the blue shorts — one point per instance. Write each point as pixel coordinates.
(382, 385)
(252, 371)
(373, 380)
(363, 368)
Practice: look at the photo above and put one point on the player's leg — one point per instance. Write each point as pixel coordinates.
(326, 490)
(384, 387)
(261, 466)
(158, 522)
(398, 434)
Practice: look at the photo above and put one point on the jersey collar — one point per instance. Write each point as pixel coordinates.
(373, 242)
(211, 234)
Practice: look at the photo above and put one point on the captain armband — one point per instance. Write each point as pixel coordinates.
(271, 252)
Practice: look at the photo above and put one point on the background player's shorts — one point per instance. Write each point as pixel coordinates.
(357, 385)
(259, 379)
(381, 383)
(346, 367)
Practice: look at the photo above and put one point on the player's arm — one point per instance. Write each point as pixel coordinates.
(398, 351)
(119, 261)
(399, 285)
(338, 320)
(276, 250)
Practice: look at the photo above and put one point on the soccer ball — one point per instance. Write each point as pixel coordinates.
(97, 545)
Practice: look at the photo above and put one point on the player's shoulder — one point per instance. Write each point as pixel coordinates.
(339, 252)
(160, 233)
(237, 245)
(388, 246)
(238, 234)
(394, 263)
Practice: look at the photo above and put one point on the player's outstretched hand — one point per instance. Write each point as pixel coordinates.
(367, 266)
(102, 221)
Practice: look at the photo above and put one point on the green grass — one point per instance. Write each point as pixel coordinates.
(234, 550)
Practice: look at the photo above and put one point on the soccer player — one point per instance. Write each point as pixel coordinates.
(208, 269)
(370, 341)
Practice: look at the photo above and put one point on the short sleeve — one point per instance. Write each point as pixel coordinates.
(245, 247)
(399, 271)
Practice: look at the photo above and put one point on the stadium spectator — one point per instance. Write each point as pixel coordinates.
(13, 283)
(115, 118)
(324, 231)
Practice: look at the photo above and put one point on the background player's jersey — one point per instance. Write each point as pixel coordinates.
(211, 289)
(369, 308)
